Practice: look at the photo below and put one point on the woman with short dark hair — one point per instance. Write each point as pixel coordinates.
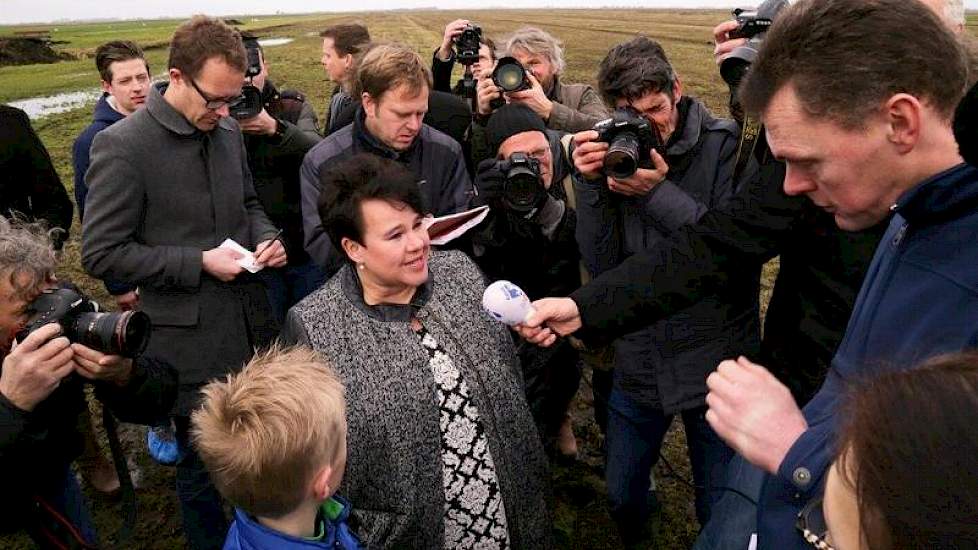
(906, 473)
(442, 450)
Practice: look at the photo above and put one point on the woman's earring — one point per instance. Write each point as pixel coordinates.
(360, 266)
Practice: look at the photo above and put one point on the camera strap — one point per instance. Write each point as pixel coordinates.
(126, 488)
(749, 134)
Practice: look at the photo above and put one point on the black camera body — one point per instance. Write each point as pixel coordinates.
(749, 24)
(467, 44)
(81, 320)
(753, 25)
(249, 104)
(630, 138)
(523, 189)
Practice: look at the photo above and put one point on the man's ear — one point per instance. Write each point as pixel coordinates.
(320, 484)
(176, 75)
(353, 249)
(677, 89)
(902, 113)
(106, 87)
(369, 104)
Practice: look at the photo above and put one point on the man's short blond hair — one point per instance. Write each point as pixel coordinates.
(386, 66)
(265, 432)
(536, 41)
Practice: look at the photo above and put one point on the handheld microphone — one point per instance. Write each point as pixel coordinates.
(506, 303)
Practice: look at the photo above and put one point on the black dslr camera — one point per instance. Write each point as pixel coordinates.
(630, 138)
(124, 334)
(249, 105)
(523, 189)
(509, 76)
(467, 44)
(753, 25)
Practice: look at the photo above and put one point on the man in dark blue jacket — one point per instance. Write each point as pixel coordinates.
(881, 142)
(125, 82)
(862, 136)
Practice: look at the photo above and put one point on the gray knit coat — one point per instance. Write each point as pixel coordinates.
(394, 468)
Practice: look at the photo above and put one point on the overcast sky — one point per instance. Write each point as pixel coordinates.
(33, 11)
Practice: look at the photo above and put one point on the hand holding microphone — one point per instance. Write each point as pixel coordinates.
(540, 322)
(507, 303)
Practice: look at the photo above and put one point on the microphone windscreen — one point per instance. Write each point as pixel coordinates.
(506, 303)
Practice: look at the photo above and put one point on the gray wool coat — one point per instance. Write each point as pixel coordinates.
(394, 468)
(160, 193)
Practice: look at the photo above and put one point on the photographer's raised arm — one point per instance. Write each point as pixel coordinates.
(443, 59)
(114, 214)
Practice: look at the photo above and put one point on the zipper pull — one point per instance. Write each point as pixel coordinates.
(899, 236)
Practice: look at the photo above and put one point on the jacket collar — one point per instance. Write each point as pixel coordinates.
(105, 113)
(943, 196)
(367, 141)
(350, 283)
(692, 116)
(170, 118)
(554, 93)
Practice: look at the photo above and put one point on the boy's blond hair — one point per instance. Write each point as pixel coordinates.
(265, 432)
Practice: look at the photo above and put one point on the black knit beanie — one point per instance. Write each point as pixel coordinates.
(510, 120)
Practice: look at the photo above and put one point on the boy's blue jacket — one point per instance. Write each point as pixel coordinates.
(919, 299)
(248, 534)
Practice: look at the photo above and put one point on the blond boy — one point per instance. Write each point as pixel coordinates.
(274, 440)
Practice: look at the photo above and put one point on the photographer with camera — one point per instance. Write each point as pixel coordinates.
(393, 85)
(528, 239)
(531, 76)
(45, 367)
(463, 42)
(658, 164)
(277, 138)
(167, 187)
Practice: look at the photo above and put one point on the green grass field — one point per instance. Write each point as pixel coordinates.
(581, 517)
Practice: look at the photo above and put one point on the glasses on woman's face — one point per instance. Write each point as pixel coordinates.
(811, 523)
(212, 103)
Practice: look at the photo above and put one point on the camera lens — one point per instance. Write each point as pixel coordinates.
(622, 158)
(509, 76)
(124, 334)
(522, 189)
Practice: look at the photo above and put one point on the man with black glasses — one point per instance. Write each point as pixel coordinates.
(167, 186)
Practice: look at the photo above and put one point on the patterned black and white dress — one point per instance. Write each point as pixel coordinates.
(474, 513)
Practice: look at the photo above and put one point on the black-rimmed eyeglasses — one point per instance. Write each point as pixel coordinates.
(212, 103)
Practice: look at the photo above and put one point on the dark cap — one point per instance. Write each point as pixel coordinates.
(510, 120)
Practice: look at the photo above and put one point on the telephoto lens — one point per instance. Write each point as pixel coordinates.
(124, 334)
(510, 76)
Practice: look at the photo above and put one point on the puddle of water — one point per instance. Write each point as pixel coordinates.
(40, 107)
(266, 42)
